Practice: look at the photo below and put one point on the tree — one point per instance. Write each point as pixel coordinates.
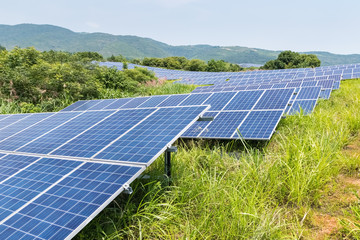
(195, 65)
(289, 59)
(216, 66)
(2, 48)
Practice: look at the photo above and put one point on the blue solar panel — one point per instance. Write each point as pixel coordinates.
(309, 84)
(12, 119)
(23, 124)
(118, 103)
(219, 100)
(326, 83)
(99, 136)
(45, 209)
(10, 164)
(279, 85)
(150, 138)
(293, 84)
(244, 100)
(74, 106)
(87, 105)
(224, 125)
(260, 124)
(153, 101)
(309, 93)
(325, 93)
(102, 104)
(274, 99)
(62, 134)
(173, 100)
(26, 184)
(304, 106)
(195, 129)
(135, 102)
(29, 134)
(336, 85)
(195, 99)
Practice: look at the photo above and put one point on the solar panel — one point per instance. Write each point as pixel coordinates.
(10, 119)
(17, 140)
(97, 137)
(54, 198)
(260, 124)
(325, 93)
(59, 136)
(135, 102)
(173, 100)
(23, 124)
(150, 137)
(244, 100)
(217, 101)
(225, 125)
(309, 93)
(304, 106)
(274, 99)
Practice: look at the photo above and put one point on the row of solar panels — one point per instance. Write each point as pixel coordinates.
(255, 113)
(59, 170)
(188, 77)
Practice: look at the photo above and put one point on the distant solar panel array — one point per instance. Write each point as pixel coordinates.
(59, 170)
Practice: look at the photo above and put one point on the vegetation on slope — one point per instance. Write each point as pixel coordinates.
(47, 81)
(48, 37)
(236, 191)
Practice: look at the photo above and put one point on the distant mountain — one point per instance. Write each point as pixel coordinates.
(48, 37)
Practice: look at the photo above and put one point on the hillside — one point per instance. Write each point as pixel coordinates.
(48, 37)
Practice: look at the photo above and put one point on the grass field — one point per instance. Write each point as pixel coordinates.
(238, 190)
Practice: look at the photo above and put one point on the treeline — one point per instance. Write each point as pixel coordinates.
(182, 63)
(289, 59)
(31, 76)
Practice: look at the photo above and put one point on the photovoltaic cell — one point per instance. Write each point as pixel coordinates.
(12, 119)
(149, 138)
(29, 134)
(10, 164)
(87, 105)
(309, 93)
(219, 100)
(23, 124)
(25, 185)
(61, 210)
(244, 100)
(195, 129)
(102, 104)
(224, 125)
(304, 106)
(195, 99)
(99, 136)
(74, 106)
(274, 99)
(173, 100)
(260, 124)
(118, 103)
(135, 102)
(153, 101)
(325, 93)
(61, 135)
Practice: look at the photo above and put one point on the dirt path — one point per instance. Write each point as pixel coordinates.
(336, 199)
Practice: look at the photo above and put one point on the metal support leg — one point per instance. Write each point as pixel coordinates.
(167, 158)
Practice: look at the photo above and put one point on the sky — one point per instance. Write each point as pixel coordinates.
(297, 25)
